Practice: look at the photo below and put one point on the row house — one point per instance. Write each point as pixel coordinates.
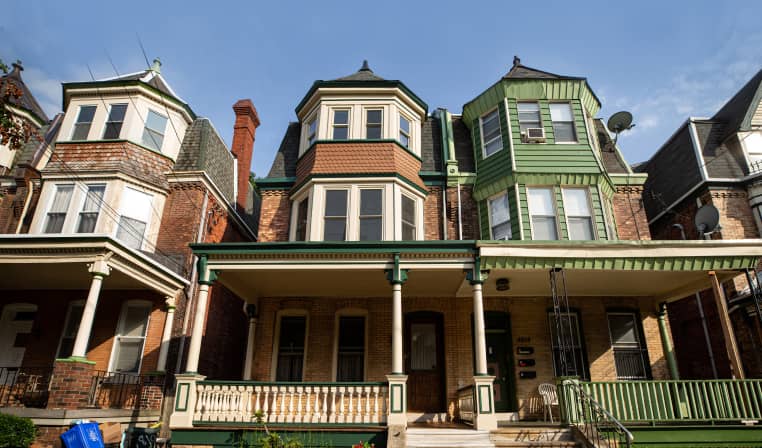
(720, 165)
(98, 283)
(421, 269)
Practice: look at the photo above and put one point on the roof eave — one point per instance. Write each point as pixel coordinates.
(371, 84)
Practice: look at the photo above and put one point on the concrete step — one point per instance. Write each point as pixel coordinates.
(533, 436)
(447, 437)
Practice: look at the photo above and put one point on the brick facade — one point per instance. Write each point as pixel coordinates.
(274, 216)
(629, 214)
(13, 199)
(70, 385)
(469, 215)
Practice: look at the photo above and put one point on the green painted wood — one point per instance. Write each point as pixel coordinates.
(310, 436)
(484, 220)
(696, 436)
(524, 210)
(629, 264)
(563, 232)
(598, 214)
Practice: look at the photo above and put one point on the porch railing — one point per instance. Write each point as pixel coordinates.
(466, 404)
(683, 401)
(25, 386)
(600, 428)
(304, 403)
(126, 391)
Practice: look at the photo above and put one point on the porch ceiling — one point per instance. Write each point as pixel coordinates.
(61, 262)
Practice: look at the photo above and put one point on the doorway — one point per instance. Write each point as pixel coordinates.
(500, 361)
(424, 361)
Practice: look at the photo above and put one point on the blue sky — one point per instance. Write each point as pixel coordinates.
(663, 61)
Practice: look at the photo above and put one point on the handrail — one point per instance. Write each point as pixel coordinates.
(25, 386)
(597, 424)
(680, 400)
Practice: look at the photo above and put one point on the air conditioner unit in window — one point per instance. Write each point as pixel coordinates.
(534, 135)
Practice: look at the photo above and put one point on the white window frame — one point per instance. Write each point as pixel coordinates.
(82, 205)
(591, 216)
(347, 210)
(573, 123)
(539, 113)
(641, 344)
(117, 335)
(312, 136)
(295, 220)
(163, 132)
(360, 215)
(76, 120)
(276, 339)
(349, 312)
(489, 214)
(365, 122)
(123, 204)
(495, 110)
(416, 212)
(67, 216)
(555, 209)
(76, 202)
(348, 125)
(106, 122)
(400, 132)
(69, 308)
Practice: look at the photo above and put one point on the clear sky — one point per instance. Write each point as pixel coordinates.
(663, 61)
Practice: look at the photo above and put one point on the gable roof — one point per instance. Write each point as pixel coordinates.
(737, 112)
(26, 101)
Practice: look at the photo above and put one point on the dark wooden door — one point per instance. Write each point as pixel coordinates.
(500, 360)
(424, 362)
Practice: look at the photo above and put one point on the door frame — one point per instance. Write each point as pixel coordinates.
(510, 363)
(437, 318)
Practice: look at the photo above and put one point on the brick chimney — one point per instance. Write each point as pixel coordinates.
(244, 130)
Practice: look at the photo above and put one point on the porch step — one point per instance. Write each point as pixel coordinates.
(447, 438)
(545, 436)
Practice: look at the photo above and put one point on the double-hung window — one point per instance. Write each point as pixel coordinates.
(492, 140)
(60, 206)
(153, 133)
(630, 357)
(312, 131)
(542, 213)
(563, 123)
(529, 116)
(301, 219)
(130, 337)
(499, 217)
(373, 123)
(341, 124)
(568, 348)
(84, 121)
(335, 217)
(91, 207)
(134, 218)
(408, 218)
(404, 137)
(579, 218)
(114, 122)
(71, 325)
(371, 214)
(290, 362)
(350, 356)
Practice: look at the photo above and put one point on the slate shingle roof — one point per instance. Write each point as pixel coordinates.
(27, 101)
(610, 157)
(464, 152)
(364, 74)
(734, 112)
(520, 71)
(720, 161)
(203, 150)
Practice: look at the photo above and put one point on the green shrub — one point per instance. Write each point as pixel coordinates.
(16, 432)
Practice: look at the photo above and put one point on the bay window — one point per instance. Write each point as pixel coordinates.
(371, 214)
(529, 116)
(563, 123)
(408, 218)
(91, 207)
(499, 218)
(579, 219)
(341, 124)
(335, 217)
(492, 140)
(312, 131)
(301, 219)
(59, 208)
(153, 132)
(373, 123)
(542, 213)
(83, 123)
(134, 217)
(114, 122)
(404, 137)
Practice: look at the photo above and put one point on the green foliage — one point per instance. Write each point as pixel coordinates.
(274, 440)
(16, 432)
(14, 132)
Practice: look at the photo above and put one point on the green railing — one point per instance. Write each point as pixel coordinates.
(679, 401)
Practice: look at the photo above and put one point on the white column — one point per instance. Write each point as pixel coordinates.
(251, 311)
(166, 337)
(481, 344)
(100, 270)
(194, 350)
(397, 328)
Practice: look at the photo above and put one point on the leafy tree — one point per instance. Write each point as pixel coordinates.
(14, 133)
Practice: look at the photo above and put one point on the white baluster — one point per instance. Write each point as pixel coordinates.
(321, 412)
(334, 395)
(299, 392)
(366, 393)
(247, 406)
(375, 405)
(290, 416)
(266, 404)
(351, 414)
(257, 394)
(342, 409)
(198, 405)
(282, 397)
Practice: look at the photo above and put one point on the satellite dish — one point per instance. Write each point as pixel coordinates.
(707, 219)
(620, 121)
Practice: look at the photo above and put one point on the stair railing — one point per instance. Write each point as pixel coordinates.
(597, 425)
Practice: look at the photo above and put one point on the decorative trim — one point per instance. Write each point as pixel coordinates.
(396, 276)
(395, 406)
(480, 392)
(183, 391)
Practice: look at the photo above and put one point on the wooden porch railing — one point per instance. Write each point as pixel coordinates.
(466, 404)
(683, 401)
(302, 403)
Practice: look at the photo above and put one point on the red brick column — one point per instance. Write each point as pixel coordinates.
(71, 383)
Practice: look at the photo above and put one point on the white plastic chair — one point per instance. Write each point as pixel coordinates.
(549, 399)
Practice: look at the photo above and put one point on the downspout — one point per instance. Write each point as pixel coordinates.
(193, 285)
(444, 211)
(27, 200)
(460, 221)
(700, 306)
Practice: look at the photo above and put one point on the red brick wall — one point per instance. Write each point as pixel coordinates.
(274, 216)
(432, 215)
(180, 221)
(12, 201)
(244, 133)
(629, 214)
(468, 212)
(70, 385)
(223, 348)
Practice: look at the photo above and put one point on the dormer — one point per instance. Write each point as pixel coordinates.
(361, 107)
(140, 108)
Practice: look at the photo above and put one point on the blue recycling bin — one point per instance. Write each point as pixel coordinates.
(83, 435)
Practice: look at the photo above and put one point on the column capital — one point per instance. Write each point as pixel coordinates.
(396, 275)
(171, 303)
(251, 310)
(206, 276)
(476, 275)
(99, 267)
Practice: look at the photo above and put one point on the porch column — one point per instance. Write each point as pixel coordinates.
(727, 328)
(484, 405)
(166, 337)
(397, 409)
(251, 311)
(206, 277)
(479, 331)
(99, 270)
(666, 343)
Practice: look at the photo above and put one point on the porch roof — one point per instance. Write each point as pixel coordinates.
(46, 262)
(663, 269)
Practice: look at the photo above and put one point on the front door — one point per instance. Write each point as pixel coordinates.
(424, 362)
(500, 360)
